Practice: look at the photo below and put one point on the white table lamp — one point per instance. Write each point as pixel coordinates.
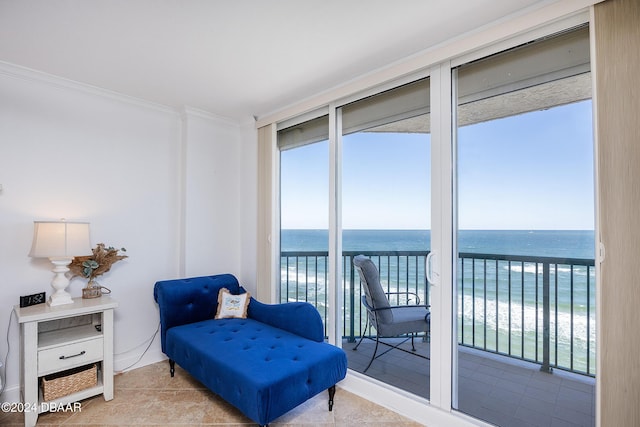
(60, 241)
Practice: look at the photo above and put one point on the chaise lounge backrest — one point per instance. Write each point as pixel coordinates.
(183, 301)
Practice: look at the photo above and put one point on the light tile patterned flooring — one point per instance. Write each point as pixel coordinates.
(150, 397)
(500, 390)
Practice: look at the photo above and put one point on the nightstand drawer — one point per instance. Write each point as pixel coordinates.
(69, 356)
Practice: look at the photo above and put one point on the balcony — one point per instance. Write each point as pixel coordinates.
(525, 329)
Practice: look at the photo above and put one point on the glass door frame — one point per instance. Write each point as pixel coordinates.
(442, 214)
(335, 227)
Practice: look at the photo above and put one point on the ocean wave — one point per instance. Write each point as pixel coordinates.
(531, 268)
(524, 321)
(301, 276)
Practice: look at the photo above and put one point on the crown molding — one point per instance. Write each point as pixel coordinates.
(187, 111)
(34, 76)
(30, 75)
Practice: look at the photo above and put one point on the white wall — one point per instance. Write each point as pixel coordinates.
(171, 198)
(249, 206)
(211, 166)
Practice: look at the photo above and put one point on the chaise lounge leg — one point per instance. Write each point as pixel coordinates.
(332, 393)
(172, 367)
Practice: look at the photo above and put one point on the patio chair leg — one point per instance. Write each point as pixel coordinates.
(375, 350)
(413, 347)
(361, 337)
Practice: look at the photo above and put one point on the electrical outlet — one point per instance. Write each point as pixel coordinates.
(27, 300)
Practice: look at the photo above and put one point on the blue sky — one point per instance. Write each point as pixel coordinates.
(531, 171)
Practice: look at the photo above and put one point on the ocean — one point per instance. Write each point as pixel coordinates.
(499, 302)
(554, 243)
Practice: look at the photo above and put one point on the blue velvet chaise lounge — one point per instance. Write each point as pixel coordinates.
(265, 364)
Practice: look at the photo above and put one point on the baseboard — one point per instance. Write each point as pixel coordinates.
(404, 403)
(11, 394)
(128, 363)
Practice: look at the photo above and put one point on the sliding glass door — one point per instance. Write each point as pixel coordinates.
(480, 177)
(384, 200)
(304, 213)
(386, 217)
(525, 290)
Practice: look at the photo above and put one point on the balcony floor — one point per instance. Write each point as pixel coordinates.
(500, 390)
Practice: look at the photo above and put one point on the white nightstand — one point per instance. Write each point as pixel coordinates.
(55, 339)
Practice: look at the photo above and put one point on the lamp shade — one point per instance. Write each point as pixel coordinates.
(60, 239)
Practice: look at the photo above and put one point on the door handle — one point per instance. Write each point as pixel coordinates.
(73, 355)
(433, 276)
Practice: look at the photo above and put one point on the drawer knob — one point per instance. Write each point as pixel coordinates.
(73, 355)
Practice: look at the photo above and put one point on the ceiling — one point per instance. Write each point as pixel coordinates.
(233, 58)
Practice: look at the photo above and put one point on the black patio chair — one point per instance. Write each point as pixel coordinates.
(389, 321)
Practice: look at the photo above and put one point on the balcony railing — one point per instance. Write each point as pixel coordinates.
(538, 309)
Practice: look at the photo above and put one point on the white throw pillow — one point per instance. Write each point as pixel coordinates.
(232, 306)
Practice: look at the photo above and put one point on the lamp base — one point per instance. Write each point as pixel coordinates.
(60, 282)
(61, 298)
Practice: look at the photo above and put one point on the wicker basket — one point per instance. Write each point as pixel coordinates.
(67, 382)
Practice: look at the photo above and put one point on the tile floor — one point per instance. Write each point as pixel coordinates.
(150, 397)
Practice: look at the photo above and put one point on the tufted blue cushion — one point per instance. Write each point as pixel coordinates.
(281, 315)
(262, 370)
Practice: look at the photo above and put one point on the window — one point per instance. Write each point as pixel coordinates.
(304, 209)
(501, 185)
(386, 216)
(525, 293)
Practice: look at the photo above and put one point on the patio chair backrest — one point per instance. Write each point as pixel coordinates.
(374, 293)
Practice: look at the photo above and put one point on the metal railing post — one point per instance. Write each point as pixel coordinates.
(546, 319)
(352, 298)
